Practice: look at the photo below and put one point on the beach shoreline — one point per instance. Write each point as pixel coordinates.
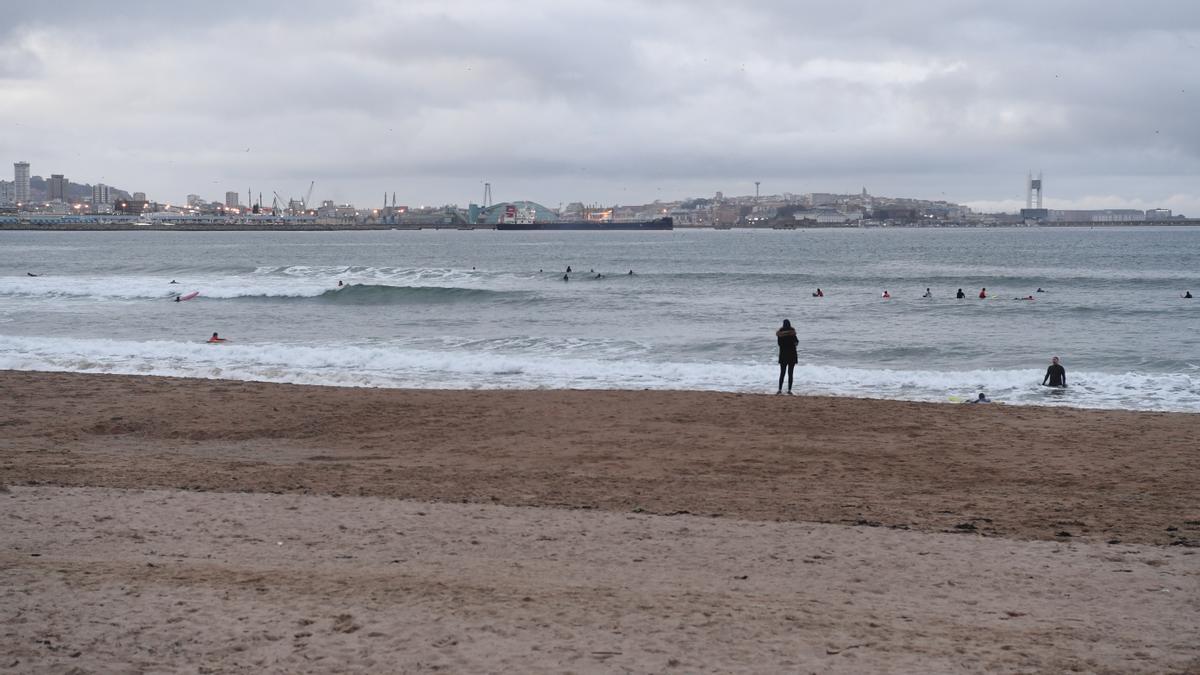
(158, 524)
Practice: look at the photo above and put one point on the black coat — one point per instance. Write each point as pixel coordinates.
(787, 346)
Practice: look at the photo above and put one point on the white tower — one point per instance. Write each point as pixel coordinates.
(1033, 191)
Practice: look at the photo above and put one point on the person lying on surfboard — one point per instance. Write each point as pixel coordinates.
(216, 338)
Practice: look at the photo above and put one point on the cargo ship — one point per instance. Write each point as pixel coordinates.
(664, 223)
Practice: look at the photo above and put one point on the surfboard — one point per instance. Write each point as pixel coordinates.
(189, 296)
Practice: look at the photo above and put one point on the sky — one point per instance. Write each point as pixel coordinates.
(610, 101)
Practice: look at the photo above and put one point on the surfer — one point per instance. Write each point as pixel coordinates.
(173, 282)
(786, 337)
(30, 274)
(1187, 295)
(216, 338)
(1039, 290)
(567, 277)
(1028, 297)
(983, 294)
(982, 399)
(1056, 375)
(177, 299)
(886, 295)
(568, 269)
(960, 295)
(630, 272)
(340, 284)
(928, 294)
(819, 294)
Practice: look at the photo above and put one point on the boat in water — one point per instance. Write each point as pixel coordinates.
(664, 223)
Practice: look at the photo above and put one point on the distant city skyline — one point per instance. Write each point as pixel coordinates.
(615, 103)
(57, 184)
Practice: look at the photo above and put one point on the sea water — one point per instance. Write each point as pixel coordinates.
(485, 309)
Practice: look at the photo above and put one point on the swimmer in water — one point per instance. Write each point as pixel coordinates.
(983, 294)
(960, 295)
(1039, 290)
(887, 296)
(566, 277)
(1187, 295)
(216, 338)
(819, 294)
(928, 294)
(173, 282)
(30, 274)
(1056, 375)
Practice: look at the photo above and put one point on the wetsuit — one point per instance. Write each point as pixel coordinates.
(960, 295)
(787, 355)
(1056, 376)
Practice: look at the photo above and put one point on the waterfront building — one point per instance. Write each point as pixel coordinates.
(231, 200)
(21, 182)
(57, 187)
(195, 201)
(139, 196)
(7, 193)
(101, 194)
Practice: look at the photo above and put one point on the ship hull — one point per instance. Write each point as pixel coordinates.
(656, 224)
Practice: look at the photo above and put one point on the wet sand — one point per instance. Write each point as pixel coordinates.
(156, 523)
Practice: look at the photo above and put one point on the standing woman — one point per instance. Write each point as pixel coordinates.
(786, 336)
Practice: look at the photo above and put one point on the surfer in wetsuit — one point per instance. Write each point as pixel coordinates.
(887, 296)
(928, 294)
(819, 294)
(1056, 375)
(983, 294)
(1187, 295)
(1039, 290)
(567, 277)
(982, 399)
(960, 295)
(30, 274)
(173, 282)
(786, 337)
(216, 338)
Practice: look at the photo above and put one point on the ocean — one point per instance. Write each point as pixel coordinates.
(490, 310)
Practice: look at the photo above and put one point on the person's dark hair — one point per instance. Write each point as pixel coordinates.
(786, 324)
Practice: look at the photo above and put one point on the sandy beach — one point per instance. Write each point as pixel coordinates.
(157, 524)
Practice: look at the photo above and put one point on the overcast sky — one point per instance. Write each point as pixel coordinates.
(609, 101)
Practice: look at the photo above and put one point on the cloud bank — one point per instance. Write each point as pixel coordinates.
(615, 102)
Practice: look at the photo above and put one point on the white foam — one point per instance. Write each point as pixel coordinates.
(397, 365)
(268, 282)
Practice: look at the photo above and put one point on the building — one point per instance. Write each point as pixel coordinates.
(57, 188)
(139, 196)
(7, 193)
(195, 201)
(231, 200)
(21, 182)
(101, 194)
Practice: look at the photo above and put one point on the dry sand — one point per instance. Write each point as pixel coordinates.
(139, 532)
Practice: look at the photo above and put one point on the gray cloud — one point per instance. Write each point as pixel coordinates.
(609, 101)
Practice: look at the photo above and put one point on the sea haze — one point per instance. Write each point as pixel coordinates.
(484, 309)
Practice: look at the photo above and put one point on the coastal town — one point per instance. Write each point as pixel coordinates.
(33, 202)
